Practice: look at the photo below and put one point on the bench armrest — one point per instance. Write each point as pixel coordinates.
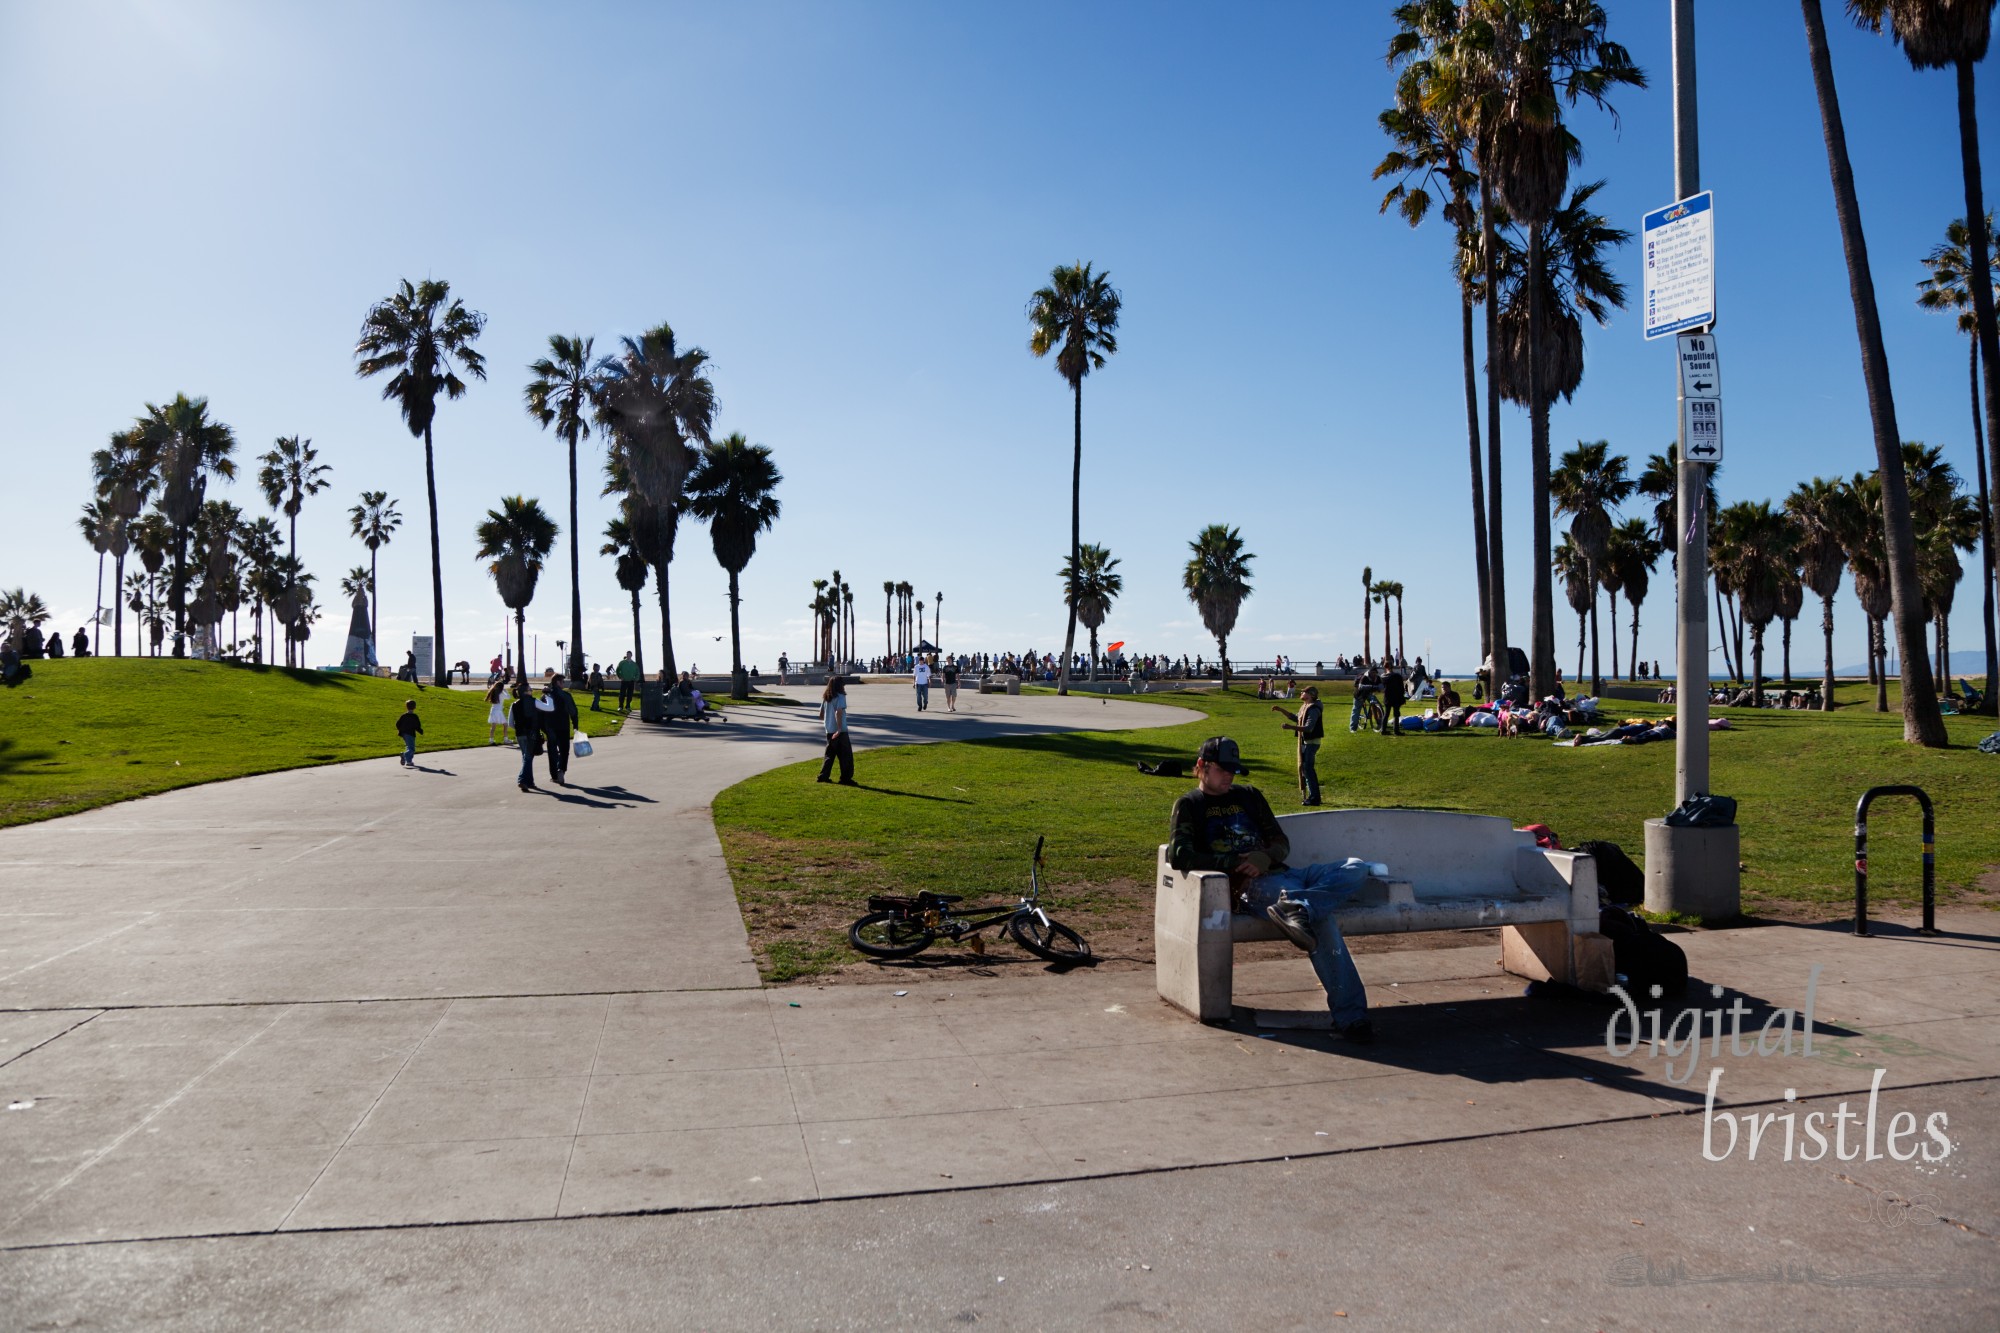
(1543, 869)
(1192, 942)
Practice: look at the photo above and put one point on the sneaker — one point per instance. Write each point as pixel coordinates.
(1290, 916)
(823, 778)
(1360, 1032)
(849, 782)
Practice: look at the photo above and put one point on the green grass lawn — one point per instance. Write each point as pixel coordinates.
(86, 732)
(962, 817)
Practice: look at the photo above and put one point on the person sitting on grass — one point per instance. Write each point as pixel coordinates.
(1222, 826)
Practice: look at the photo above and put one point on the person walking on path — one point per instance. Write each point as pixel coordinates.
(1222, 826)
(596, 688)
(833, 715)
(528, 732)
(921, 673)
(1392, 703)
(499, 700)
(409, 726)
(1306, 722)
(627, 672)
(950, 674)
(557, 715)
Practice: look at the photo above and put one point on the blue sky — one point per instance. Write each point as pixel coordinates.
(848, 205)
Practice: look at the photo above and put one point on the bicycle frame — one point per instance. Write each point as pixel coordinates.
(938, 916)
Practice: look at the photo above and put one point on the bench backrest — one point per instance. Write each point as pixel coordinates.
(1435, 851)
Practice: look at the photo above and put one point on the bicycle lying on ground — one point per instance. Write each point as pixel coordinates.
(901, 927)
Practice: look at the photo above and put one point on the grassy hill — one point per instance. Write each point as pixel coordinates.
(961, 818)
(87, 732)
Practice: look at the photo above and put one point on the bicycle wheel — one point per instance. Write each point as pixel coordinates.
(887, 935)
(1055, 941)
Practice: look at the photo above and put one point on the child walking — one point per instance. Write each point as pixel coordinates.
(409, 726)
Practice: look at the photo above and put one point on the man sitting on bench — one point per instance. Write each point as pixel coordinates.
(1222, 826)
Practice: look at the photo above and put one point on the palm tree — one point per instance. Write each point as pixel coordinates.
(1949, 287)
(517, 538)
(145, 596)
(124, 475)
(215, 529)
(656, 402)
(1367, 614)
(21, 611)
(1861, 540)
(374, 521)
(258, 543)
(1588, 487)
(357, 582)
(291, 472)
(1393, 588)
(1922, 722)
(907, 593)
(937, 620)
(1946, 521)
(1763, 541)
(1819, 514)
(1435, 149)
(1091, 585)
(1217, 580)
(1791, 601)
(561, 394)
(1634, 552)
(734, 488)
(425, 337)
(632, 575)
(888, 627)
(1505, 70)
(1379, 594)
(1936, 34)
(99, 526)
(1076, 317)
(1573, 567)
(185, 447)
(1542, 355)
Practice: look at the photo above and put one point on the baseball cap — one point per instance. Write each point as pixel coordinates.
(1221, 750)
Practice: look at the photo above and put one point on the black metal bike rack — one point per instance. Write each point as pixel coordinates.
(1861, 856)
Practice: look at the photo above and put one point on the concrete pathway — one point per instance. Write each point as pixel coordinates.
(356, 998)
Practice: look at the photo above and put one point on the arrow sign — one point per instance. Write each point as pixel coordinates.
(1701, 429)
(1701, 365)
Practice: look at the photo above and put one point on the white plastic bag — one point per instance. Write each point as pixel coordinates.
(581, 749)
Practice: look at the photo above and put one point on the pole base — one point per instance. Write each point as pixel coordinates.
(1693, 870)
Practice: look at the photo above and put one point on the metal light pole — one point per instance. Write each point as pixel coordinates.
(1691, 579)
(1692, 870)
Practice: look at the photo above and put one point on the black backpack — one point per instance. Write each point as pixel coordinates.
(1643, 958)
(1621, 879)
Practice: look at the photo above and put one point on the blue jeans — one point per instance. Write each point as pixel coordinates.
(923, 697)
(410, 749)
(527, 761)
(1361, 698)
(1322, 888)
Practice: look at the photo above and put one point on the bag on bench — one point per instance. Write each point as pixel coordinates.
(1623, 882)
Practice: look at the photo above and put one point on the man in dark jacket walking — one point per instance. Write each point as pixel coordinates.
(558, 715)
(1393, 694)
(527, 734)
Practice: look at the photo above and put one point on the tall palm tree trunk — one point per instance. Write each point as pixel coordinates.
(180, 593)
(1881, 633)
(291, 577)
(739, 683)
(521, 640)
(1922, 723)
(1596, 673)
(1479, 556)
(119, 611)
(374, 611)
(1826, 676)
(1582, 641)
(1632, 662)
(576, 656)
(667, 624)
(437, 564)
(1075, 538)
(1722, 633)
(638, 642)
(1614, 633)
(1986, 357)
(1757, 665)
(1399, 627)
(1542, 625)
(1990, 704)
(1223, 645)
(1788, 656)
(100, 605)
(1496, 573)
(888, 630)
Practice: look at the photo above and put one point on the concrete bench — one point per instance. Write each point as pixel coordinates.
(1001, 684)
(1447, 871)
(680, 708)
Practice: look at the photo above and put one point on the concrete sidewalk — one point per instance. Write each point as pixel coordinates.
(353, 998)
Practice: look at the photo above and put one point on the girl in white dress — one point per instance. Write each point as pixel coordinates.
(499, 721)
